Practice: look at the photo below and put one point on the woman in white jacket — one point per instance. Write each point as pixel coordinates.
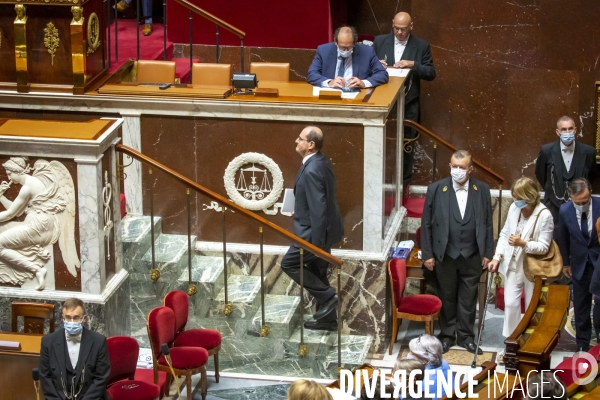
(514, 243)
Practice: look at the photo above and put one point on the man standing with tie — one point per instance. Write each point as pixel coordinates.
(562, 161)
(345, 63)
(577, 239)
(74, 361)
(401, 49)
(457, 244)
(317, 220)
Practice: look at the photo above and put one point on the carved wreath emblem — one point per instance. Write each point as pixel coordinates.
(93, 33)
(253, 188)
(51, 40)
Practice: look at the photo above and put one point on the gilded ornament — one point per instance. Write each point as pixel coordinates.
(154, 274)
(77, 12)
(303, 351)
(264, 332)
(474, 187)
(445, 188)
(191, 289)
(228, 309)
(93, 33)
(21, 9)
(51, 40)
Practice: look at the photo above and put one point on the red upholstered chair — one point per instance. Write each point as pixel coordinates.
(209, 339)
(123, 352)
(570, 367)
(186, 361)
(418, 307)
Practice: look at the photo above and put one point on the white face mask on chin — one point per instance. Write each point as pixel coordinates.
(459, 175)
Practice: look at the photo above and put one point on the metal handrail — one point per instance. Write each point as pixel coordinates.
(231, 205)
(421, 129)
(219, 22)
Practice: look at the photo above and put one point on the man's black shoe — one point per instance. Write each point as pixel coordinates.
(445, 347)
(321, 326)
(471, 348)
(327, 308)
(583, 348)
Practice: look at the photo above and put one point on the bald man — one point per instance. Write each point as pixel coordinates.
(402, 49)
(344, 63)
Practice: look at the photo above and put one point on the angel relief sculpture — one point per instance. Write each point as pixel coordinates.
(48, 198)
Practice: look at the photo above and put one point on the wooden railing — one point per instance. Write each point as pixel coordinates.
(231, 205)
(421, 129)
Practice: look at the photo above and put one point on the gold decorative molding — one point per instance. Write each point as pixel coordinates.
(41, 1)
(20, 30)
(51, 40)
(78, 49)
(77, 12)
(93, 33)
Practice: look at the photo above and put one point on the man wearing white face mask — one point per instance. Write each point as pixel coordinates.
(562, 161)
(345, 63)
(577, 239)
(74, 361)
(457, 243)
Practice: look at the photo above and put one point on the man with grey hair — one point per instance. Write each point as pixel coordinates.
(457, 243)
(560, 162)
(577, 238)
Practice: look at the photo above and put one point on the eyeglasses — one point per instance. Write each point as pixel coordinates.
(73, 319)
(301, 139)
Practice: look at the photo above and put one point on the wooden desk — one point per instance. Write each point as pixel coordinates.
(16, 382)
(414, 270)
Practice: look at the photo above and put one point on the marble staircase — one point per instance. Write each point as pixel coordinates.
(242, 349)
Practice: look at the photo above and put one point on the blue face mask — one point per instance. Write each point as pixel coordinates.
(582, 209)
(567, 138)
(73, 328)
(344, 54)
(520, 204)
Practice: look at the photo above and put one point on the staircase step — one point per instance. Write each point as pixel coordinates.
(182, 69)
(282, 314)
(355, 349)
(207, 275)
(135, 236)
(243, 292)
(170, 255)
(319, 343)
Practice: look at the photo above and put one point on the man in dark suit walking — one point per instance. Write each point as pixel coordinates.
(344, 63)
(74, 361)
(317, 220)
(401, 49)
(562, 161)
(577, 239)
(457, 244)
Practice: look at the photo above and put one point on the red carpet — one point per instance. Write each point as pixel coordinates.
(151, 47)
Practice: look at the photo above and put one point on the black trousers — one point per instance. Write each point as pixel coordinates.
(457, 285)
(315, 276)
(582, 303)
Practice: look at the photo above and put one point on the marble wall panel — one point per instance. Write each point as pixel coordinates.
(506, 71)
(202, 148)
(63, 278)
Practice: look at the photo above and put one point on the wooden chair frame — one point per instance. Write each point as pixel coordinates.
(32, 313)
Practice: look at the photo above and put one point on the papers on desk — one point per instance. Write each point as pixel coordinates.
(400, 72)
(10, 345)
(345, 95)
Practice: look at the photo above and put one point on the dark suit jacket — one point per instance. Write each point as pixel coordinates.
(93, 360)
(435, 222)
(417, 50)
(317, 218)
(573, 248)
(550, 162)
(365, 65)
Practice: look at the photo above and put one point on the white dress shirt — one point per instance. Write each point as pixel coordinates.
(567, 154)
(462, 195)
(589, 220)
(73, 345)
(347, 72)
(307, 157)
(399, 48)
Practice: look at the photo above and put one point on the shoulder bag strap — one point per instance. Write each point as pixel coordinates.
(534, 225)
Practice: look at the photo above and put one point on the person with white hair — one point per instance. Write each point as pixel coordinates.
(428, 349)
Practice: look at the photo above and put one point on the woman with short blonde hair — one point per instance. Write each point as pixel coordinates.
(514, 243)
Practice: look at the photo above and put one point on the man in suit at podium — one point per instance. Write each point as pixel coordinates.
(317, 220)
(74, 361)
(577, 239)
(562, 161)
(344, 63)
(401, 49)
(457, 244)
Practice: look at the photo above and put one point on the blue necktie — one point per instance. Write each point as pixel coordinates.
(342, 67)
(584, 227)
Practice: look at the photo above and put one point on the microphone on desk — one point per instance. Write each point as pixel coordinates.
(164, 348)
(35, 374)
